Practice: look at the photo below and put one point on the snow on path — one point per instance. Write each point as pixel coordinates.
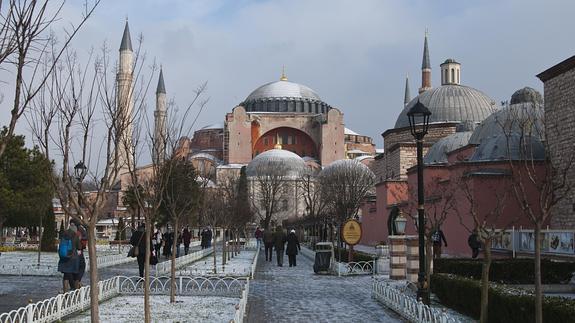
(122, 309)
(239, 265)
(296, 294)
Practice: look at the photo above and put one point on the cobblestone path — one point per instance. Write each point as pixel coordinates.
(296, 294)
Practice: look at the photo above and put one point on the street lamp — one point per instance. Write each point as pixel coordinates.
(400, 223)
(419, 124)
(80, 171)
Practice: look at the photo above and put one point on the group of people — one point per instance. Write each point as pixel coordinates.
(279, 241)
(72, 263)
(206, 238)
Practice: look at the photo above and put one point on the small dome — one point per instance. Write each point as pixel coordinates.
(450, 61)
(340, 168)
(451, 103)
(273, 161)
(283, 89)
(523, 116)
(437, 154)
(527, 95)
(514, 147)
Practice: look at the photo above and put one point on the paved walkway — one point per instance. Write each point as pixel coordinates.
(284, 294)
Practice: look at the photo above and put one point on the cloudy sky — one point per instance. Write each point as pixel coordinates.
(354, 54)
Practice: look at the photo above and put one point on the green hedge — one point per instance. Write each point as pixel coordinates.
(506, 304)
(508, 271)
(357, 256)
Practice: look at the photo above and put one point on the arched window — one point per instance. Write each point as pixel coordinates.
(458, 77)
(452, 75)
(445, 77)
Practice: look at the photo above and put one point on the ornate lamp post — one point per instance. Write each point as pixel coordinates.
(419, 124)
(400, 222)
(80, 171)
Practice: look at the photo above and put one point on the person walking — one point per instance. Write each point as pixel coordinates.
(157, 240)
(436, 237)
(209, 238)
(83, 236)
(268, 244)
(187, 236)
(279, 243)
(204, 240)
(139, 242)
(258, 235)
(292, 248)
(69, 262)
(474, 243)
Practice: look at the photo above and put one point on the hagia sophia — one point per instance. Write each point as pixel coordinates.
(289, 123)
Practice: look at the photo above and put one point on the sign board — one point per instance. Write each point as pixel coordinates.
(351, 232)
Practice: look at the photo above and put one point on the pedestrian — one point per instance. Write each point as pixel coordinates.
(279, 243)
(268, 244)
(292, 247)
(69, 262)
(436, 237)
(187, 236)
(138, 241)
(209, 238)
(259, 235)
(474, 243)
(168, 238)
(178, 243)
(83, 236)
(204, 238)
(157, 240)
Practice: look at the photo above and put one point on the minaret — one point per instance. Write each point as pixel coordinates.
(425, 68)
(407, 96)
(160, 121)
(125, 102)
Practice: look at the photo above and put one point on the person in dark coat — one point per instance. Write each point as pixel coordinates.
(187, 236)
(268, 244)
(474, 244)
(292, 247)
(209, 238)
(138, 241)
(69, 266)
(279, 243)
(83, 236)
(436, 238)
(168, 240)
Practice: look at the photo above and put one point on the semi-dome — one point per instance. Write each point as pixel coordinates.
(524, 115)
(284, 96)
(437, 154)
(276, 161)
(452, 103)
(342, 167)
(509, 147)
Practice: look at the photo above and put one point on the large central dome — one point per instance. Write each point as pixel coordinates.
(452, 103)
(284, 96)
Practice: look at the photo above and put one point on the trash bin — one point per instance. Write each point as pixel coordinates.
(323, 256)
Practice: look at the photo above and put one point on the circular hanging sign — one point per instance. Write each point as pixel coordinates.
(351, 232)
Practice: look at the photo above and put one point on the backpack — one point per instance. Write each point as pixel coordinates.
(435, 237)
(65, 249)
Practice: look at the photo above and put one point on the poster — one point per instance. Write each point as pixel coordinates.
(561, 242)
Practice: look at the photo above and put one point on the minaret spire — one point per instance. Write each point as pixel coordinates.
(407, 96)
(160, 121)
(425, 67)
(126, 39)
(283, 77)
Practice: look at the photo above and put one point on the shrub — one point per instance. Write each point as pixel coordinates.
(508, 271)
(357, 255)
(506, 304)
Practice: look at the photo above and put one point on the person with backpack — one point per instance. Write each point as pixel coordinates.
(268, 244)
(83, 236)
(69, 262)
(138, 241)
(436, 237)
(474, 243)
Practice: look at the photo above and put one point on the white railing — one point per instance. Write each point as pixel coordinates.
(109, 260)
(241, 307)
(254, 264)
(165, 267)
(407, 306)
(62, 305)
(354, 268)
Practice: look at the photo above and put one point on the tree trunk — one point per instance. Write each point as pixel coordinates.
(173, 265)
(147, 316)
(214, 254)
(224, 249)
(538, 293)
(40, 241)
(428, 260)
(484, 316)
(94, 306)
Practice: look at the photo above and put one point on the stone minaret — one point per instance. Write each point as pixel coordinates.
(125, 102)
(160, 121)
(407, 96)
(425, 69)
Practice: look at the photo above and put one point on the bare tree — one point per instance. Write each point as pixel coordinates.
(270, 182)
(346, 183)
(315, 199)
(213, 212)
(536, 171)
(29, 47)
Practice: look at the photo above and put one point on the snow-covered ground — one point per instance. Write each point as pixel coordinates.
(240, 265)
(186, 309)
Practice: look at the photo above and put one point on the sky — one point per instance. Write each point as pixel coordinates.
(354, 54)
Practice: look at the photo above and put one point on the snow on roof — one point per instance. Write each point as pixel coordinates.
(357, 151)
(350, 132)
(379, 150)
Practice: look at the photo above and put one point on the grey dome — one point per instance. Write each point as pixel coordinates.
(437, 154)
(514, 147)
(527, 95)
(340, 167)
(451, 103)
(284, 96)
(526, 118)
(276, 161)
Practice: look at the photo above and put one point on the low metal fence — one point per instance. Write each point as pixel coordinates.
(62, 305)
(354, 268)
(407, 306)
(165, 266)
